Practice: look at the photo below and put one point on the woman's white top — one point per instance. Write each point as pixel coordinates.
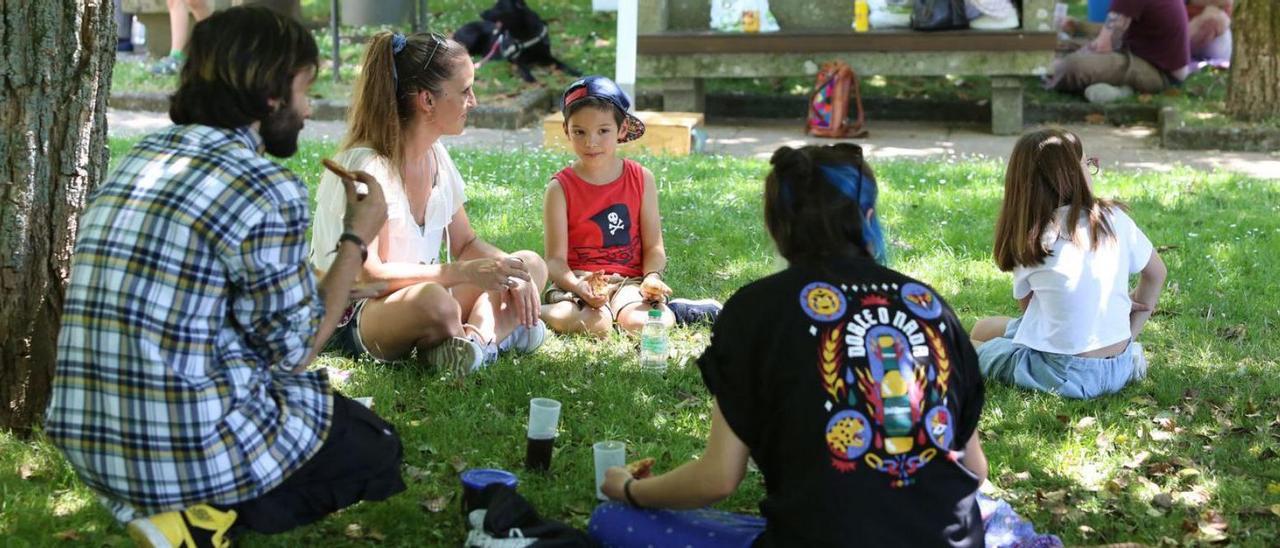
(1081, 300)
(409, 242)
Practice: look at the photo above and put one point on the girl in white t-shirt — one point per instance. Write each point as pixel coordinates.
(450, 296)
(1071, 254)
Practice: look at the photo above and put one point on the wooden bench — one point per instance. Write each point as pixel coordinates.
(684, 58)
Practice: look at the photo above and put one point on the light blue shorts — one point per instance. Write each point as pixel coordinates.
(1062, 374)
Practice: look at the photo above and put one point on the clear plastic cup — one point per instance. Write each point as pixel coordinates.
(607, 454)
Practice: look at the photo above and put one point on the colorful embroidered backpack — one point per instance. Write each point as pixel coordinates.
(829, 103)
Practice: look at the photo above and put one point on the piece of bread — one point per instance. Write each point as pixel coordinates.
(640, 468)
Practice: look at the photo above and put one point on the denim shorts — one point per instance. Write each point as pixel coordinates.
(1062, 374)
(346, 337)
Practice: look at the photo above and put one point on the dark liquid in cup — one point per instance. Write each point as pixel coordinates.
(538, 453)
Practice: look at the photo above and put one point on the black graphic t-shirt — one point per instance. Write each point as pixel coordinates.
(856, 391)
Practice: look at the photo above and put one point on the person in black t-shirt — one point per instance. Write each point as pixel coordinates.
(852, 386)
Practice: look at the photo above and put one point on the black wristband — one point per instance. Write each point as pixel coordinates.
(349, 237)
(626, 491)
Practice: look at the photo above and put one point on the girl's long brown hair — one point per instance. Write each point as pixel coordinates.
(384, 93)
(1044, 173)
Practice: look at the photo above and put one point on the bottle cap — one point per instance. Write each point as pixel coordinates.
(655, 313)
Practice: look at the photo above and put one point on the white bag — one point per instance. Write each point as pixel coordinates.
(742, 16)
(890, 14)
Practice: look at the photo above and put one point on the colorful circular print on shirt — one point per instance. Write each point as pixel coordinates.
(822, 301)
(937, 423)
(848, 435)
(921, 301)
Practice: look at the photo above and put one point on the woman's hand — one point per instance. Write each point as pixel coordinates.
(523, 296)
(495, 274)
(653, 289)
(614, 479)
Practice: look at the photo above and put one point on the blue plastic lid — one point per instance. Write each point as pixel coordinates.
(478, 478)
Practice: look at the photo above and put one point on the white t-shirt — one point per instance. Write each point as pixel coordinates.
(1081, 300)
(409, 243)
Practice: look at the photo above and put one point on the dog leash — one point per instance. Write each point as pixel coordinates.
(511, 51)
(497, 41)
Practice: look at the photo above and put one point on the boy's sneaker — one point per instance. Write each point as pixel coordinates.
(456, 355)
(1101, 93)
(689, 312)
(198, 526)
(124, 45)
(524, 339)
(168, 65)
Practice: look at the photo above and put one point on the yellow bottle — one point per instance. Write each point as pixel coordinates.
(861, 16)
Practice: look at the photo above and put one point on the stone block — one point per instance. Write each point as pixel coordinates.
(683, 95)
(1006, 106)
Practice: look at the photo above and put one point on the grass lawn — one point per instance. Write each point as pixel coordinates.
(1188, 455)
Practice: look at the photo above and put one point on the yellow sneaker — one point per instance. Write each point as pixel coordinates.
(196, 527)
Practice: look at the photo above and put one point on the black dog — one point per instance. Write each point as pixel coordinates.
(511, 31)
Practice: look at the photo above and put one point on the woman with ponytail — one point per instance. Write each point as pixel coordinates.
(852, 386)
(452, 297)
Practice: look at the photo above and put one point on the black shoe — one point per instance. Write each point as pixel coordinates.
(688, 312)
(124, 45)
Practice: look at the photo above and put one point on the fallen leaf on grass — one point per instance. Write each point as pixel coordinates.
(1163, 500)
(26, 471)
(435, 505)
(375, 535)
(1234, 333)
(415, 473)
(602, 42)
(68, 535)
(1137, 460)
(1275, 509)
(1086, 422)
(1212, 527)
(354, 531)
(1273, 488)
(458, 464)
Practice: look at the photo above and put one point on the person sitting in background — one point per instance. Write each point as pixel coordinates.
(1142, 46)
(179, 32)
(1209, 28)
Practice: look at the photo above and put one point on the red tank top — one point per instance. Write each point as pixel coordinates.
(604, 221)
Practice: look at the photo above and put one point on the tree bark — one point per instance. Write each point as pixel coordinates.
(1253, 93)
(56, 58)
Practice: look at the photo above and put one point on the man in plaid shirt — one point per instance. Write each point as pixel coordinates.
(181, 394)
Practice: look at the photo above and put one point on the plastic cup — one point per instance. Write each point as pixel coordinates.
(607, 454)
(544, 420)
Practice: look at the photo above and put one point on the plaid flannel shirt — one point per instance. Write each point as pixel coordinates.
(190, 301)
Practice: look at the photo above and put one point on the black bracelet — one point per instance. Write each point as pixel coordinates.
(626, 491)
(349, 237)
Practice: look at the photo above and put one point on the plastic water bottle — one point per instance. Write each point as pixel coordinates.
(653, 343)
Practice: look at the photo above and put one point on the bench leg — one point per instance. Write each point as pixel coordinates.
(683, 95)
(1006, 105)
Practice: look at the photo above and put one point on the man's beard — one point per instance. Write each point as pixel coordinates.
(279, 131)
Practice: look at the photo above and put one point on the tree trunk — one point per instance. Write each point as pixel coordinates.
(55, 69)
(1254, 90)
